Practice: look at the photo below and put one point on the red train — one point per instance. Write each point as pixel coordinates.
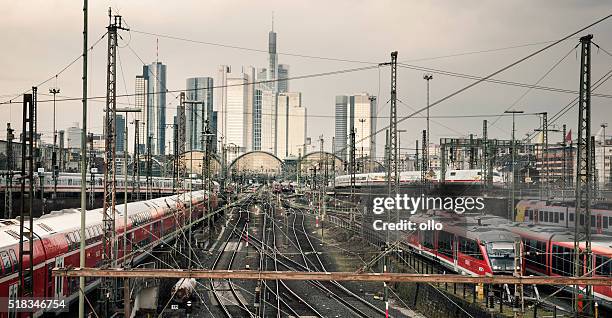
(467, 244)
(549, 251)
(57, 241)
(562, 214)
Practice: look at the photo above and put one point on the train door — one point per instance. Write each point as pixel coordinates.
(13, 290)
(59, 280)
(598, 223)
(455, 254)
(49, 281)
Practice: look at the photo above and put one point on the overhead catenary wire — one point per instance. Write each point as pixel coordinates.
(62, 70)
(483, 79)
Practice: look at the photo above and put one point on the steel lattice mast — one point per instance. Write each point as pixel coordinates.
(109, 250)
(584, 176)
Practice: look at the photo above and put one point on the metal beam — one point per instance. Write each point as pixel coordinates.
(326, 276)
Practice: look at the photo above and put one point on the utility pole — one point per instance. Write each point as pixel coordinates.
(55, 171)
(606, 180)
(108, 288)
(513, 173)
(424, 161)
(83, 163)
(584, 176)
(92, 172)
(26, 239)
(484, 164)
(393, 173)
(208, 153)
(427, 77)
(136, 161)
(10, 166)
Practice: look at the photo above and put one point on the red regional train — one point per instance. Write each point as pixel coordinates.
(57, 241)
(549, 251)
(562, 214)
(472, 245)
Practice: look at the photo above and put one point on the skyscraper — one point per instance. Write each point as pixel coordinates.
(234, 105)
(200, 91)
(355, 113)
(283, 75)
(296, 123)
(257, 120)
(140, 102)
(120, 133)
(363, 120)
(341, 129)
(272, 59)
(155, 75)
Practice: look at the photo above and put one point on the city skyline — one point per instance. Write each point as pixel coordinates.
(318, 93)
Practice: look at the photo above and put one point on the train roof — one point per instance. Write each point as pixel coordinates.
(67, 220)
(486, 228)
(601, 242)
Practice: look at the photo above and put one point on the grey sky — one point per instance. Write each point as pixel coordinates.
(40, 37)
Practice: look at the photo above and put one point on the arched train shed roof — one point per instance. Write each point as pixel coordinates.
(258, 162)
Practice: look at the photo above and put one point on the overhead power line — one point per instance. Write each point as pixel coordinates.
(62, 70)
(314, 75)
(483, 79)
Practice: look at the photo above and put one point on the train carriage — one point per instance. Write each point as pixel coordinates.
(467, 244)
(57, 240)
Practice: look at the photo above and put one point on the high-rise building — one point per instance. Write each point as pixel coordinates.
(198, 110)
(363, 120)
(355, 113)
(140, 102)
(234, 106)
(341, 129)
(283, 75)
(296, 123)
(272, 60)
(120, 142)
(268, 121)
(74, 136)
(257, 120)
(155, 75)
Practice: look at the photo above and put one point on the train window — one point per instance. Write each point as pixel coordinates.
(561, 216)
(541, 216)
(556, 217)
(571, 217)
(428, 239)
(452, 174)
(14, 260)
(6, 262)
(603, 266)
(545, 219)
(581, 219)
(605, 221)
(470, 248)
(592, 221)
(445, 243)
(562, 260)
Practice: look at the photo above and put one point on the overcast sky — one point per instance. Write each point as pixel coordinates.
(41, 37)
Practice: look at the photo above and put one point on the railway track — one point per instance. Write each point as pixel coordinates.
(287, 301)
(224, 291)
(312, 262)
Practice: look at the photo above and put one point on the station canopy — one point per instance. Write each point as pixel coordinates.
(256, 162)
(194, 162)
